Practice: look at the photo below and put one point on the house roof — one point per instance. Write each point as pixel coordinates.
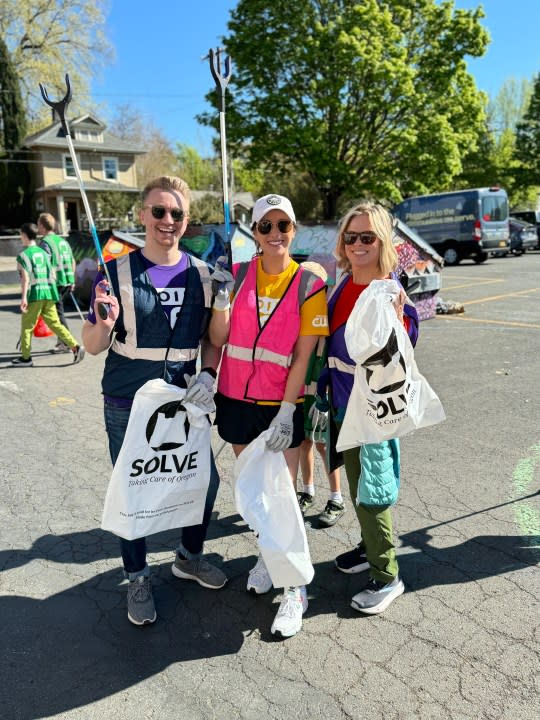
(89, 186)
(53, 136)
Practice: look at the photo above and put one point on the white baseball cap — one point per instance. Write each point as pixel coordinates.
(272, 202)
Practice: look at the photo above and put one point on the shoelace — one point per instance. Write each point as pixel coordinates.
(288, 606)
(141, 592)
(259, 571)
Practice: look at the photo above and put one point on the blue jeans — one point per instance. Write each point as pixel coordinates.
(193, 537)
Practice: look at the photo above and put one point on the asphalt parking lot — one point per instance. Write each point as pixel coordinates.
(461, 643)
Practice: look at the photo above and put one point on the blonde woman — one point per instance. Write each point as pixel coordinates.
(365, 252)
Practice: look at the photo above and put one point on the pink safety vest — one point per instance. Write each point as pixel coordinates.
(256, 361)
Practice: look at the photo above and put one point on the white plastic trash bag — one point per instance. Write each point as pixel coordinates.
(161, 477)
(265, 498)
(390, 397)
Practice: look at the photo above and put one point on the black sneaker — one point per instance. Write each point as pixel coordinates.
(377, 596)
(331, 513)
(78, 353)
(353, 561)
(21, 362)
(305, 500)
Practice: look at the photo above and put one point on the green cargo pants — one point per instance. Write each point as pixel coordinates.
(375, 525)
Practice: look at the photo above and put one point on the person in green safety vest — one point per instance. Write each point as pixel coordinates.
(39, 296)
(63, 263)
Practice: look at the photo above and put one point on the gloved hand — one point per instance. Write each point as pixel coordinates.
(200, 391)
(222, 284)
(318, 417)
(283, 428)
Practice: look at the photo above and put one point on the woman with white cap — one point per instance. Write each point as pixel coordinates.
(276, 315)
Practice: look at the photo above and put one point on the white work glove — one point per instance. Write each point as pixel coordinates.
(222, 284)
(319, 418)
(200, 391)
(283, 428)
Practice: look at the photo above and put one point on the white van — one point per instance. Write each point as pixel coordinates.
(460, 224)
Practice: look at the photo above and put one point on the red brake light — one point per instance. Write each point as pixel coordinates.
(477, 232)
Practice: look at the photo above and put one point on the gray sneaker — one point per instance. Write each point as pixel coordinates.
(203, 572)
(140, 603)
(331, 513)
(377, 596)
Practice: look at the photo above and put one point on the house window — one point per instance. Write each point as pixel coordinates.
(69, 168)
(110, 168)
(89, 135)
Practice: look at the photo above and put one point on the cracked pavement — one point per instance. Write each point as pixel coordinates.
(461, 643)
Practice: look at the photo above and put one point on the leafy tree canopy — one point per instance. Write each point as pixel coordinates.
(46, 39)
(528, 138)
(368, 98)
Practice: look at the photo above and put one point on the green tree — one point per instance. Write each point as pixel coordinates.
(14, 174)
(368, 98)
(528, 139)
(199, 173)
(46, 37)
(114, 207)
(208, 209)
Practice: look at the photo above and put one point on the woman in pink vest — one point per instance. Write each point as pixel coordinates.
(276, 313)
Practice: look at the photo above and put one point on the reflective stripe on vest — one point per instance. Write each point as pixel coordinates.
(129, 348)
(258, 353)
(334, 363)
(62, 256)
(255, 363)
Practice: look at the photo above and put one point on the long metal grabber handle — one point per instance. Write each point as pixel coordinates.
(222, 80)
(60, 107)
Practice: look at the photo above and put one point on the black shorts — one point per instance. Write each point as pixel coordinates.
(240, 422)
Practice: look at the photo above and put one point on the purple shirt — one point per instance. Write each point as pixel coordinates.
(168, 280)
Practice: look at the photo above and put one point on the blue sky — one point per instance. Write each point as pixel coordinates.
(158, 68)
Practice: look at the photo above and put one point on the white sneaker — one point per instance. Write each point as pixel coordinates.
(288, 620)
(259, 581)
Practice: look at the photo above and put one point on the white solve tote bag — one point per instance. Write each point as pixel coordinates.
(265, 498)
(390, 397)
(161, 477)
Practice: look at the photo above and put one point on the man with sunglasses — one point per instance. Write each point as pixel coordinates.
(158, 316)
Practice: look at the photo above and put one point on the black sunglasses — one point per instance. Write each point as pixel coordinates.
(366, 238)
(158, 212)
(265, 226)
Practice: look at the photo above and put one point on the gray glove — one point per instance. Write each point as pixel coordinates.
(283, 428)
(200, 391)
(319, 418)
(222, 284)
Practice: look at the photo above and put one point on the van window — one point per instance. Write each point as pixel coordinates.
(494, 207)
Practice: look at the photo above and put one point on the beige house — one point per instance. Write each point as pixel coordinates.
(106, 163)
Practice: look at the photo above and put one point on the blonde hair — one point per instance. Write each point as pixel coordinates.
(47, 221)
(167, 182)
(382, 225)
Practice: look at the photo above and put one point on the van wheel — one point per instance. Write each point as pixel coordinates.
(480, 258)
(451, 255)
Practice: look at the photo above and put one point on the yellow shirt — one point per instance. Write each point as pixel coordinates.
(270, 290)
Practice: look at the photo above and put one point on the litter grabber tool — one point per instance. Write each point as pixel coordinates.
(77, 306)
(222, 80)
(60, 107)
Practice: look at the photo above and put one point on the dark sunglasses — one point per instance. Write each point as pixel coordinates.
(265, 226)
(366, 238)
(158, 212)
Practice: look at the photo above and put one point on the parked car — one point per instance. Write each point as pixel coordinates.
(523, 236)
(529, 216)
(460, 224)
